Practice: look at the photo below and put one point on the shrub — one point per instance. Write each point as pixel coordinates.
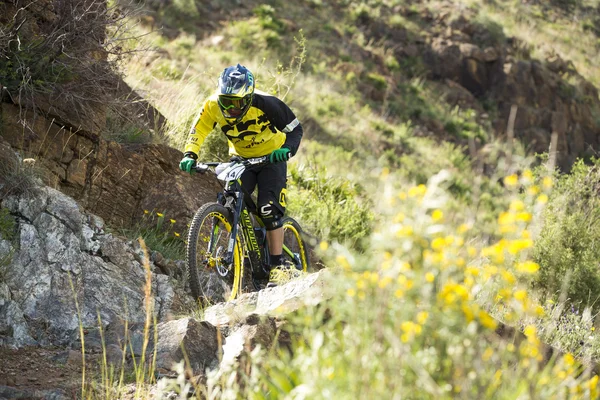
(568, 249)
(331, 208)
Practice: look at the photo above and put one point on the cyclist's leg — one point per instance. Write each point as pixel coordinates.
(271, 205)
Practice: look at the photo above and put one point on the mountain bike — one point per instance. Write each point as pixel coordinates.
(227, 238)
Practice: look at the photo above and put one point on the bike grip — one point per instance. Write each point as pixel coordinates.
(200, 168)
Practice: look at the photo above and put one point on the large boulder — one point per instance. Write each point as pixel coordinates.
(63, 270)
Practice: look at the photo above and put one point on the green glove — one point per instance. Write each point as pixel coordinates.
(186, 164)
(282, 154)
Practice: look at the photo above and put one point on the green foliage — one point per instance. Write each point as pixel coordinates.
(159, 235)
(568, 248)
(329, 207)
(463, 123)
(8, 225)
(376, 80)
(215, 147)
(17, 178)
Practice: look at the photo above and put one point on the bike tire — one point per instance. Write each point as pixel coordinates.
(206, 231)
(294, 241)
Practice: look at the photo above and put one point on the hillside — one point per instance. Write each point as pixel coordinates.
(447, 169)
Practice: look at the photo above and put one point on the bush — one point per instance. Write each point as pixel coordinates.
(568, 249)
(331, 208)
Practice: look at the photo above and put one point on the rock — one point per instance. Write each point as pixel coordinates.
(108, 179)
(58, 262)
(197, 339)
(272, 301)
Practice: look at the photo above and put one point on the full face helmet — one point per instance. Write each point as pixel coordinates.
(235, 92)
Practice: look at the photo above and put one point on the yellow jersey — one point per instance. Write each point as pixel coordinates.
(268, 125)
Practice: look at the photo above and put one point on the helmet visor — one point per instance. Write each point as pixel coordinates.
(234, 106)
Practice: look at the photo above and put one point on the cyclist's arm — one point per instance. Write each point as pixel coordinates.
(203, 125)
(285, 120)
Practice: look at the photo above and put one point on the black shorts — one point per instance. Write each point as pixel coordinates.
(271, 180)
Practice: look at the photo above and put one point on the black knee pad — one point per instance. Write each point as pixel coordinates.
(271, 215)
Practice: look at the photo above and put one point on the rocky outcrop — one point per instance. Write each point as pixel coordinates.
(114, 181)
(62, 259)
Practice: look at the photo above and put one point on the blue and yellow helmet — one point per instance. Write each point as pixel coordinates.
(235, 92)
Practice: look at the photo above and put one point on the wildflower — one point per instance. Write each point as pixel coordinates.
(511, 180)
(517, 205)
(533, 190)
(384, 173)
(438, 244)
(487, 354)
(160, 215)
(399, 293)
(323, 245)
(422, 317)
(146, 211)
(523, 216)
(399, 218)
(172, 221)
(177, 234)
(437, 215)
(429, 277)
(402, 196)
(486, 320)
(547, 182)
(542, 198)
(521, 295)
(384, 282)
(528, 267)
(463, 228)
(343, 262)
(351, 292)
(506, 218)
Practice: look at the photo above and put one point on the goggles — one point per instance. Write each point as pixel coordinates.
(234, 106)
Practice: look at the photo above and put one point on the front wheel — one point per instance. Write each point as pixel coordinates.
(294, 247)
(208, 240)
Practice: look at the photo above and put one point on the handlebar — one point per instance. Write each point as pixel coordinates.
(203, 167)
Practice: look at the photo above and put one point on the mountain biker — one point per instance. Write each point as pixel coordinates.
(256, 124)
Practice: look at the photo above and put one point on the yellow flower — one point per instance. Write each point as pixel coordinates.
(527, 176)
(542, 198)
(438, 243)
(463, 228)
(351, 292)
(523, 216)
(569, 359)
(385, 172)
(521, 295)
(422, 317)
(160, 215)
(384, 282)
(429, 277)
(360, 284)
(398, 293)
(506, 218)
(517, 205)
(176, 234)
(437, 215)
(172, 221)
(528, 267)
(511, 180)
(402, 196)
(324, 245)
(487, 354)
(486, 320)
(547, 182)
(146, 211)
(399, 218)
(533, 190)
(342, 262)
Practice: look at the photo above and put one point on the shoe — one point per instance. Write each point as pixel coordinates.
(282, 274)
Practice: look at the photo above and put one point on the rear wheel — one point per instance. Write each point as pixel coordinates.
(208, 240)
(294, 247)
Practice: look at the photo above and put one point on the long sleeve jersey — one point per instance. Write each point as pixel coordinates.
(268, 125)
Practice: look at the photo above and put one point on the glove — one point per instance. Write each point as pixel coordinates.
(187, 163)
(282, 154)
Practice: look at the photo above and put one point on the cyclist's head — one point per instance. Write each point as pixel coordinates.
(236, 89)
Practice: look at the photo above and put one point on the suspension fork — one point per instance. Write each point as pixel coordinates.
(239, 204)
